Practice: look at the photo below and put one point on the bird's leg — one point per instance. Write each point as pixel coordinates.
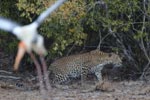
(39, 72)
(45, 72)
(20, 54)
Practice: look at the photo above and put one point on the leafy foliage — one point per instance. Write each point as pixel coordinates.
(8, 41)
(125, 24)
(63, 27)
(116, 25)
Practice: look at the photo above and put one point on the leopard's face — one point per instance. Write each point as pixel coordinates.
(102, 57)
(114, 58)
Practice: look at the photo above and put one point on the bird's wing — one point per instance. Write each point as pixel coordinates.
(47, 12)
(7, 25)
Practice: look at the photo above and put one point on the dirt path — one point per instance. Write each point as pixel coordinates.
(134, 90)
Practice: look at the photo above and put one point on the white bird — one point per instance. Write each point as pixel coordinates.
(31, 41)
(28, 33)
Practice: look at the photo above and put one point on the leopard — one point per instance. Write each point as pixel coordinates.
(70, 67)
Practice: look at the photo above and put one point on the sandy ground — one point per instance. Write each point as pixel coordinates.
(122, 90)
(133, 90)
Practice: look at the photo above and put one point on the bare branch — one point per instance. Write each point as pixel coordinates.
(143, 29)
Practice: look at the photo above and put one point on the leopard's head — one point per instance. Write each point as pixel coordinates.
(102, 57)
(114, 58)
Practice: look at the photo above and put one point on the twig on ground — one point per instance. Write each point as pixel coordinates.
(9, 77)
(7, 72)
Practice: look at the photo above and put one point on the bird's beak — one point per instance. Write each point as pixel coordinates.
(20, 54)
